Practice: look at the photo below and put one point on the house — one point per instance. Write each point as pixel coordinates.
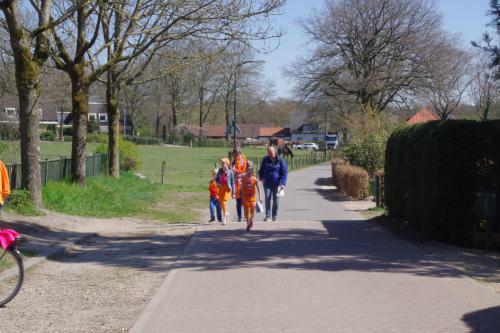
(254, 131)
(424, 115)
(50, 114)
(267, 133)
(304, 128)
(47, 115)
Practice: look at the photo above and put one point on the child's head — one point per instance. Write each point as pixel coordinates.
(250, 171)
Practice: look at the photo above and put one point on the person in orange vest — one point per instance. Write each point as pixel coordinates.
(249, 187)
(4, 184)
(239, 165)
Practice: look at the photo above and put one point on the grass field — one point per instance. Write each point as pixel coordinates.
(181, 199)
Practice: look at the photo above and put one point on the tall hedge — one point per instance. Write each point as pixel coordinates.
(433, 170)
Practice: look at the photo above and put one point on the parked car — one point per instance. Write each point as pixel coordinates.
(310, 146)
(297, 146)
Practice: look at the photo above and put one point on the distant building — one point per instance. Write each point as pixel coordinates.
(424, 115)
(304, 128)
(253, 131)
(50, 114)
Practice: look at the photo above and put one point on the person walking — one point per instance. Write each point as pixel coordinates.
(225, 181)
(214, 198)
(273, 173)
(239, 165)
(249, 187)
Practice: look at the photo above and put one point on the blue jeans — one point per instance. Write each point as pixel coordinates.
(238, 207)
(271, 194)
(215, 208)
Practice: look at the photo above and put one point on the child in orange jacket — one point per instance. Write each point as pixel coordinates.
(214, 198)
(249, 187)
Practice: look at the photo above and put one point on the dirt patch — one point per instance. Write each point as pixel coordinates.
(102, 283)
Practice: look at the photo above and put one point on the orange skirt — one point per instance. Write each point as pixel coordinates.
(224, 197)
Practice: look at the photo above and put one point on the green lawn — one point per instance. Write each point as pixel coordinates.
(181, 199)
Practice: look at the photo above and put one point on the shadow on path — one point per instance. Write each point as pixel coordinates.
(345, 245)
(483, 321)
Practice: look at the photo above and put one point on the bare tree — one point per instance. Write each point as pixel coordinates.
(28, 24)
(484, 89)
(448, 81)
(368, 52)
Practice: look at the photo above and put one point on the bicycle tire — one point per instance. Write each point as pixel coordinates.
(17, 258)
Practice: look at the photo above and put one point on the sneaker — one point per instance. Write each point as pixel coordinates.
(211, 220)
(267, 219)
(239, 219)
(248, 228)
(274, 218)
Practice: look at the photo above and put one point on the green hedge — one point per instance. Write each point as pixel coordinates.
(433, 171)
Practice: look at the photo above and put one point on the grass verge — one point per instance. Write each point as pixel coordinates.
(102, 197)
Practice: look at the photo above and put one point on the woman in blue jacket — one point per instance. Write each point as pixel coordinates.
(272, 173)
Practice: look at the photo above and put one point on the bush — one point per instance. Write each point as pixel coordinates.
(433, 171)
(92, 126)
(351, 180)
(129, 154)
(97, 138)
(9, 151)
(47, 136)
(367, 152)
(19, 201)
(336, 162)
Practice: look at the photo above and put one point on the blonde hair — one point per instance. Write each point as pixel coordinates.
(250, 168)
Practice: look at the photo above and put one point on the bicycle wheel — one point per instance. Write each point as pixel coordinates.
(12, 275)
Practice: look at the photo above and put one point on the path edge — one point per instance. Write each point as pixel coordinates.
(150, 309)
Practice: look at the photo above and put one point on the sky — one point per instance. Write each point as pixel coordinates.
(467, 18)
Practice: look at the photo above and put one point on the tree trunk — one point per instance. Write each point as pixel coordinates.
(30, 142)
(174, 115)
(226, 110)
(201, 95)
(27, 72)
(113, 128)
(80, 102)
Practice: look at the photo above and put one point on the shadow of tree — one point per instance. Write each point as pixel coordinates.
(341, 245)
(483, 321)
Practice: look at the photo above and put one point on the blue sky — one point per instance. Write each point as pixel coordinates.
(467, 18)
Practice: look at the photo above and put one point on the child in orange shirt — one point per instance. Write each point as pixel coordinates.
(249, 185)
(214, 198)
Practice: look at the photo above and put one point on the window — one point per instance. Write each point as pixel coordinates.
(92, 117)
(40, 113)
(299, 138)
(315, 138)
(10, 112)
(103, 117)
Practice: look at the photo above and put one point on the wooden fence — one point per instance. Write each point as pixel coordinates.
(60, 169)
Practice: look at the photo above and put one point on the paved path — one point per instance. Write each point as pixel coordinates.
(323, 270)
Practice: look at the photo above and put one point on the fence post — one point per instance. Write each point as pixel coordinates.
(163, 167)
(46, 172)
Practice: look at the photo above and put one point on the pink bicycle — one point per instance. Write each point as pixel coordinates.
(11, 266)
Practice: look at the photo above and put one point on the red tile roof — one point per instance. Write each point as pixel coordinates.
(423, 116)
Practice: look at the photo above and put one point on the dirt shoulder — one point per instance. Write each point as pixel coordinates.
(479, 264)
(102, 283)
